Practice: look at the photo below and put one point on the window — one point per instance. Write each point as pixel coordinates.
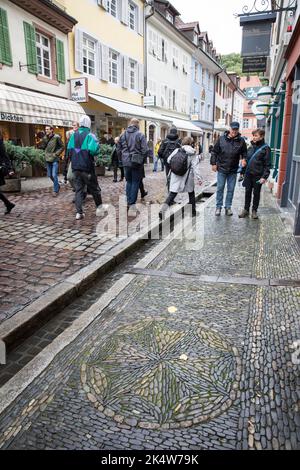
(170, 17)
(196, 72)
(208, 112)
(175, 100)
(202, 110)
(195, 39)
(89, 56)
(112, 7)
(113, 66)
(195, 106)
(246, 124)
(183, 103)
(132, 16)
(132, 75)
(203, 76)
(175, 57)
(185, 66)
(43, 49)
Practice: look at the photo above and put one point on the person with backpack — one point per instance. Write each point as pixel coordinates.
(116, 162)
(184, 166)
(54, 147)
(5, 170)
(133, 149)
(226, 155)
(167, 147)
(257, 168)
(83, 148)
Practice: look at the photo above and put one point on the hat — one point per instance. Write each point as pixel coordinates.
(235, 125)
(85, 121)
(173, 130)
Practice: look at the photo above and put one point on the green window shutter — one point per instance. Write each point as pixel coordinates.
(30, 43)
(60, 61)
(5, 48)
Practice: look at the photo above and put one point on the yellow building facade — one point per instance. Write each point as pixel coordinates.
(107, 47)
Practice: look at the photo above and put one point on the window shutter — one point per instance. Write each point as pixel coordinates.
(103, 4)
(160, 48)
(150, 41)
(5, 47)
(30, 43)
(99, 60)
(140, 13)
(125, 72)
(78, 50)
(141, 78)
(60, 61)
(124, 12)
(104, 62)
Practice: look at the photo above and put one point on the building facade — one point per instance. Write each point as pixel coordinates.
(169, 69)
(34, 70)
(285, 124)
(250, 86)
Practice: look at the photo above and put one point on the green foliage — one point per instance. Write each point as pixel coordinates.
(233, 63)
(104, 158)
(21, 156)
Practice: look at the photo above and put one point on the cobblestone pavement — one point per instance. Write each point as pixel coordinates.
(175, 363)
(42, 244)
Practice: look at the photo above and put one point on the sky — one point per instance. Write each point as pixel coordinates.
(217, 18)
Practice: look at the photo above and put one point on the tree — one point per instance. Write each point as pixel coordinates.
(233, 63)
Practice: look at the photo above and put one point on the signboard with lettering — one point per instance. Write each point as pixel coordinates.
(22, 118)
(149, 100)
(251, 92)
(256, 40)
(254, 64)
(79, 90)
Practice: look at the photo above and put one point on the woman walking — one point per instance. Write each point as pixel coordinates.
(116, 162)
(183, 181)
(5, 169)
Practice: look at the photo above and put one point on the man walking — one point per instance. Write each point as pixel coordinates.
(167, 147)
(133, 149)
(225, 159)
(54, 147)
(83, 147)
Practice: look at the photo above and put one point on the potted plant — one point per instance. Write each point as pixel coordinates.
(21, 157)
(103, 159)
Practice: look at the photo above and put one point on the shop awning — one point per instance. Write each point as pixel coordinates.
(29, 107)
(129, 111)
(186, 126)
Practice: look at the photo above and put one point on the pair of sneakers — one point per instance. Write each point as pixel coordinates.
(100, 212)
(246, 213)
(228, 212)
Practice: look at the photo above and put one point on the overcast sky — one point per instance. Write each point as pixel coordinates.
(216, 17)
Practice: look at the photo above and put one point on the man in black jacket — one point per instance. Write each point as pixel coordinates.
(5, 169)
(225, 159)
(171, 143)
(258, 166)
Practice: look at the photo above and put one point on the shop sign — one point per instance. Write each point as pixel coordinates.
(195, 117)
(149, 100)
(257, 29)
(254, 64)
(79, 90)
(20, 118)
(251, 92)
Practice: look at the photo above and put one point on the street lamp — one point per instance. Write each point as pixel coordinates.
(266, 93)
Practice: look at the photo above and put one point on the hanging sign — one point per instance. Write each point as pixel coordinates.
(254, 64)
(256, 40)
(79, 90)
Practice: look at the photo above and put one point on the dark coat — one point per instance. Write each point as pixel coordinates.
(228, 152)
(168, 146)
(260, 167)
(5, 162)
(132, 140)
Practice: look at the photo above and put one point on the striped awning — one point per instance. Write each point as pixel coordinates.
(29, 107)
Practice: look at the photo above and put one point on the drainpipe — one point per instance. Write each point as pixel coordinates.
(147, 17)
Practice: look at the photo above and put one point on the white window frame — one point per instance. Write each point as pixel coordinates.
(86, 49)
(113, 5)
(185, 66)
(133, 69)
(43, 48)
(170, 17)
(132, 6)
(195, 106)
(184, 103)
(113, 61)
(175, 57)
(196, 72)
(246, 123)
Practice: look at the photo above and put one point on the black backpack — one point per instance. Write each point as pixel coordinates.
(179, 163)
(170, 147)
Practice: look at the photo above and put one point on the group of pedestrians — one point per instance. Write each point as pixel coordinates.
(178, 158)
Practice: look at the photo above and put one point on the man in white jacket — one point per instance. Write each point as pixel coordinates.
(185, 183)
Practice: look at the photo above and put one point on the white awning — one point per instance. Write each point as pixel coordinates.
(30, 107)
(129, 111)
(186, 126)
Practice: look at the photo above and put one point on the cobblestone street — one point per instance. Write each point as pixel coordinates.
(191, 349)
(42, 244)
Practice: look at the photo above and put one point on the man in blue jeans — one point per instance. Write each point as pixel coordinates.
(226, 155)
(54, 147)
(132, 141)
